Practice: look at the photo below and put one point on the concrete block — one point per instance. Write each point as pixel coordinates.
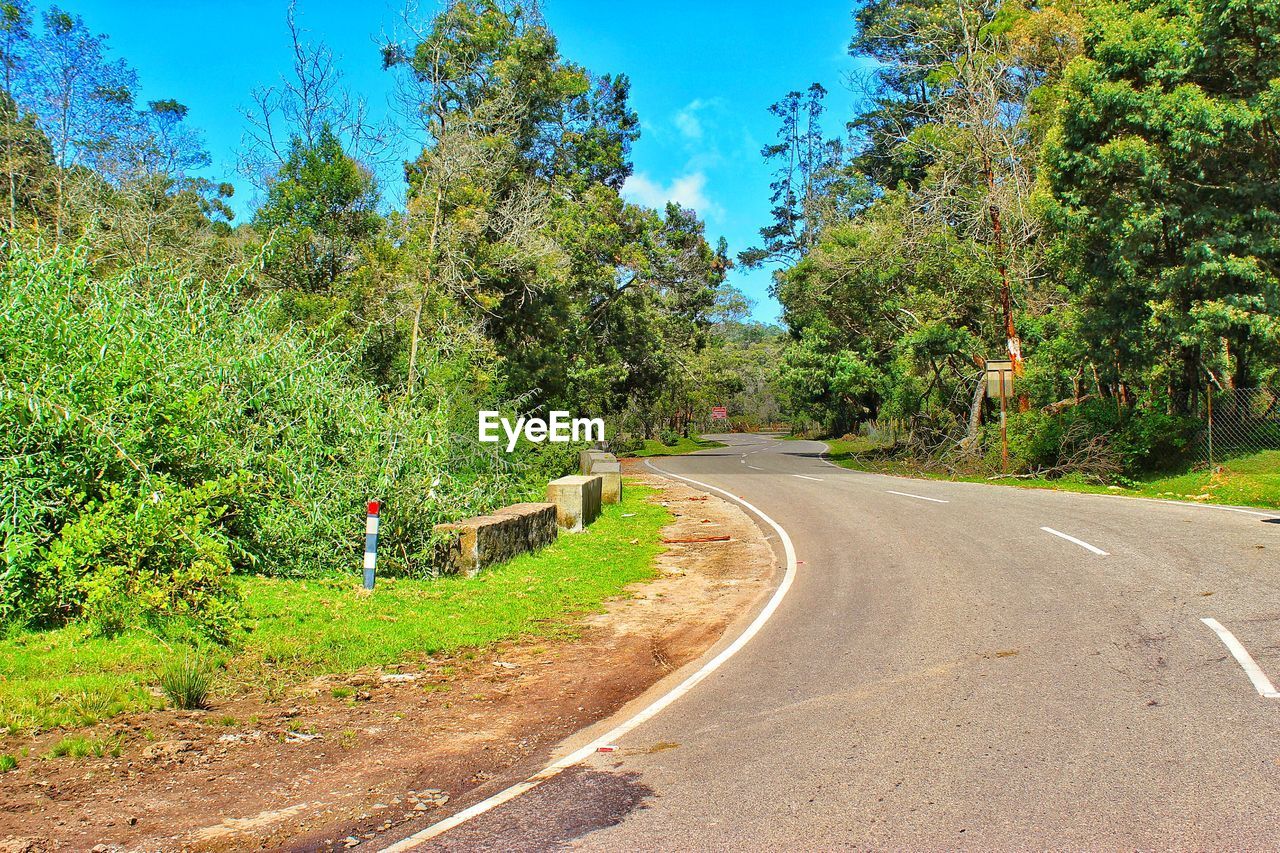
(610, 474)
(587, 457)
(477, 543)
(577, 500)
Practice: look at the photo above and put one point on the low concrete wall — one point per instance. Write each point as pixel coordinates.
(586, 457)
(577, 500)
(477, 543)
(610, 470)
(610, 474)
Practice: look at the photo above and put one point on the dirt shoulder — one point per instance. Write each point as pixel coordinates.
(341, 763)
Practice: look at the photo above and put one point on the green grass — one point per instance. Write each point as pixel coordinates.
(7, 763)
(77, 746)
(1252, 480)
(685, 445)
(303, 628)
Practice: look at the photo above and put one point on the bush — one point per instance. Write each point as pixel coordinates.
(158, 433)
(625, 446)
(670, 437)
(1095, 438)
(186, 682)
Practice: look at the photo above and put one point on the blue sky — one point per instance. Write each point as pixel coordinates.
(703, 75)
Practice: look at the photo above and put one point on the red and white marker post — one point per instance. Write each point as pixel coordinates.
(371, 543)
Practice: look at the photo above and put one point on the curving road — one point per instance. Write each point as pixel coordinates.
(955, 665)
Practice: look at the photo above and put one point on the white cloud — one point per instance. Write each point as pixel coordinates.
(687, 121)
(686, 191)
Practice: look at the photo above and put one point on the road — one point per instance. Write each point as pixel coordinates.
(948, 669)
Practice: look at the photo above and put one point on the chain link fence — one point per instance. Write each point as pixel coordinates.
(1240, 421)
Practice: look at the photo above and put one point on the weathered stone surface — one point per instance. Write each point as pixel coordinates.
(577, 500)
(477, 543)
(587, 457)
(610, 474)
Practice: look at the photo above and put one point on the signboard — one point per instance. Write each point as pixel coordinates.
(719, 413)
(999, 373)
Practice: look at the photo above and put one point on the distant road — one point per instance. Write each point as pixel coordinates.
(956, 665)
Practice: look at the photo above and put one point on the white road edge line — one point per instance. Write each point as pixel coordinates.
(1261, 683)
(1080, 542)
(917, 497)
(614, 734)
(815, 479)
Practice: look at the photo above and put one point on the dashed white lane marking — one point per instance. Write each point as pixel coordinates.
(1261, 683)
(917, 497)
(803, 477)
(754, 468)
(648, 713)
(1079, 542)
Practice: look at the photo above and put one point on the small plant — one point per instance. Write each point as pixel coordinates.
(7, 763)
(186, 682)
(227, 721)
(347, 739)
(78, 746)
(340, 692)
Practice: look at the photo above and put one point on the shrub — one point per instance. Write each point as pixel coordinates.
(186, 682)
(159, 432)
(7, 763)
(670, 437)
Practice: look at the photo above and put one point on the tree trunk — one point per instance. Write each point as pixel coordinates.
(970, 443)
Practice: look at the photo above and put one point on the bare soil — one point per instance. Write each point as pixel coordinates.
(410, 744)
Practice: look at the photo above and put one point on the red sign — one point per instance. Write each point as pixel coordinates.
(719, 413)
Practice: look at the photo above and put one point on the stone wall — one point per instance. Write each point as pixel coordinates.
(577, 501)
(477, 543)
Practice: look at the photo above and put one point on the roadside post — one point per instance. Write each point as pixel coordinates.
(371, 543)
(1000, 382)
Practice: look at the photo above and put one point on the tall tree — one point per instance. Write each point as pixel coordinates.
(84, 101)
(804, 184)
(320, 209)
(1162, 175)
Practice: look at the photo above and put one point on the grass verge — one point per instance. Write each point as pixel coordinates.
(683, 446)
(303, 628)
(1252, 480)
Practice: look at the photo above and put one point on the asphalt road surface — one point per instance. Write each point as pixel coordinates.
(948, 669)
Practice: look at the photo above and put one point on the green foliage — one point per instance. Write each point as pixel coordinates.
(186, 682)
(320, 209)
(7, 763)
(79, 746)
(156, 435)
(1161, 175)
(305, 627)
(671, 438)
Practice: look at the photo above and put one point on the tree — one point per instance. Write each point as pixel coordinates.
(26, 160)
(805, 183)
(1161, 171)
(320, 209)
(314, 101)
(83, 99)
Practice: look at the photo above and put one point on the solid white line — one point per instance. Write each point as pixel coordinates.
(1261, 683)
(803, 477)
(918, 497)
(1079, 542)
(648, 713)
